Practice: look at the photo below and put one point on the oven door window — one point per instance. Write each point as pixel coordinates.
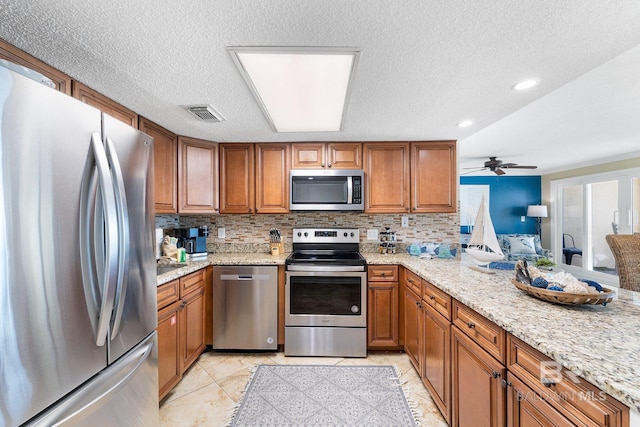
(319, 190)
(325, 295)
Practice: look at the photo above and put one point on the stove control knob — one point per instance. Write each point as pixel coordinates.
(352, 234)
(306, 234)
(346, 234)
(299, 234)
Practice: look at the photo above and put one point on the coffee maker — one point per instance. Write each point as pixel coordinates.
(193, 240)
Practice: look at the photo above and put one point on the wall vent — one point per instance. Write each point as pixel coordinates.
(206, 113)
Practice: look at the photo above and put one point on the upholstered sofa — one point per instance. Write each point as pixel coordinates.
(522, 246)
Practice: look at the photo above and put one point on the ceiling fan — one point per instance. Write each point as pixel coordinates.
(496, 166)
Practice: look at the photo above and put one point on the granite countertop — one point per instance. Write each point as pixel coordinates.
(599, 343)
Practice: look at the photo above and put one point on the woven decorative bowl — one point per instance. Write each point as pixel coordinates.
(565, 297)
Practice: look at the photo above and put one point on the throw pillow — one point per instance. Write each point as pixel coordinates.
(522, 245)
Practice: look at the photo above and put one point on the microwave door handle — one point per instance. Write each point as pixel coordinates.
(349, 190)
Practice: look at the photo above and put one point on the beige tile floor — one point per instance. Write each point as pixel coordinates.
(213, 386)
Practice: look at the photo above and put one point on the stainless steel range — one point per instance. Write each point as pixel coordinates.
(326, 294)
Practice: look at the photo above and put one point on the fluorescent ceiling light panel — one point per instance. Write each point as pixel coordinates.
(299, 89)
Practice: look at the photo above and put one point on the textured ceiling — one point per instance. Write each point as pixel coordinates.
(425, 66)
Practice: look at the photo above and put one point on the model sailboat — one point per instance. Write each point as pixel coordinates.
(483, 246)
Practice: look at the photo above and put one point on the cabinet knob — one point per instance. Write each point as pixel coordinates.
(471, 325)
(432, 297)
(547, 382)
(322, 165)
(329, 165)
(495, 374)
(506, 384)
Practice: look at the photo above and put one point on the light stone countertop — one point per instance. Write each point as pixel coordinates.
(599, 343)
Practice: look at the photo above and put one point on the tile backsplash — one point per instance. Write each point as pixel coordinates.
(248, 233)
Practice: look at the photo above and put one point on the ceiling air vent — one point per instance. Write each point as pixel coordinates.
(206, 113)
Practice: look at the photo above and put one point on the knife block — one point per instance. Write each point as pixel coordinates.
(276, 248)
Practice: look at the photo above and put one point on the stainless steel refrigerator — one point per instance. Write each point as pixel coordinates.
(77, 271)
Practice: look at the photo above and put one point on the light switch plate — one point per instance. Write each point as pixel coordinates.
(372, 234)
(221, 233)
(522, 218)
(405, 221)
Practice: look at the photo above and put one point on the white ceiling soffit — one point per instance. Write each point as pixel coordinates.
(299, 89)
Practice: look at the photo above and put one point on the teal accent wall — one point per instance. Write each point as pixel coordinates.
(509, 197)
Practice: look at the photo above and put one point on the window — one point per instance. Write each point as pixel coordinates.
(584, 210)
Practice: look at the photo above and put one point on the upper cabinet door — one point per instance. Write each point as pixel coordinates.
(165, 160)
(104, 104)
(433, 177)
(344, 155)
(386, 167)
(237, 178)
(308, 155)
(197, 176)
(272, 178)
(326, 155)
(54, 78)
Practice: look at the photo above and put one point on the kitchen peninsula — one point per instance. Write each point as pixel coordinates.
(600, 344)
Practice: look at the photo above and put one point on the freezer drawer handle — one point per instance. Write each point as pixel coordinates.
(88, 397)
(98, 239)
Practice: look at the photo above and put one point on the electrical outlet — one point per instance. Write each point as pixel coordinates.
(221, 233)
(372, 234)
(522, 218)
(405, 221)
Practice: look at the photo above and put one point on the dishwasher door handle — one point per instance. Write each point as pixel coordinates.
(243, 277)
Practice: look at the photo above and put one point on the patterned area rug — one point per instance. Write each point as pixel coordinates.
(321, 395)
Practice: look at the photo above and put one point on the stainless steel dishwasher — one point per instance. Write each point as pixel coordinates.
(245, 307)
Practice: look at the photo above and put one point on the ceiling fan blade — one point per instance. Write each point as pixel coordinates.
(473, 171)
(518, 167)
(499, 171)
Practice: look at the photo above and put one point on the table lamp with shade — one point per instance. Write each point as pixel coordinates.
(538, 212)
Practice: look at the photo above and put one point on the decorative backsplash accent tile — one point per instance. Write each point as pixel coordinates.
(250, 233)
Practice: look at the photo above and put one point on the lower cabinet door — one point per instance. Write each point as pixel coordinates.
(169, 355)
(527, 409)
(193, 314)
(436, 361)
(412, 327)
(478, 397)
(382, 312)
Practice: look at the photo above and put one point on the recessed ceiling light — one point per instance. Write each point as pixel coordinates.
(300, 89)
(465, 124)
(525, 84)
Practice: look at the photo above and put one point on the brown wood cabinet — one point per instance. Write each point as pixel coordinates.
(324, 155)
(197, 176)
(165, 162)
(181, 327)
(386, 167)
(272, 178)
(553, 389)
(104, 104)
(237, 178)
(525, 408)
(60, 81)
(436, 354)
(382, 307)
(413, 316)
(433, 177)
(478, 397)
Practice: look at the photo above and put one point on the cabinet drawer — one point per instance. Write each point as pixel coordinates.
(168, 293)
(574, 397)
(383, 273)
(439, 300)
(413, 281)
(487, 334)
(191, 282)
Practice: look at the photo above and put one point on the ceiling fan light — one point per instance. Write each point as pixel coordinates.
(525, 84)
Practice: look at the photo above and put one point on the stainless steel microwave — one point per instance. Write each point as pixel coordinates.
(326, 190)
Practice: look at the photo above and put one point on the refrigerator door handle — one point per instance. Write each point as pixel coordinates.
(75, 409)
(98, 239)
(123, 233)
